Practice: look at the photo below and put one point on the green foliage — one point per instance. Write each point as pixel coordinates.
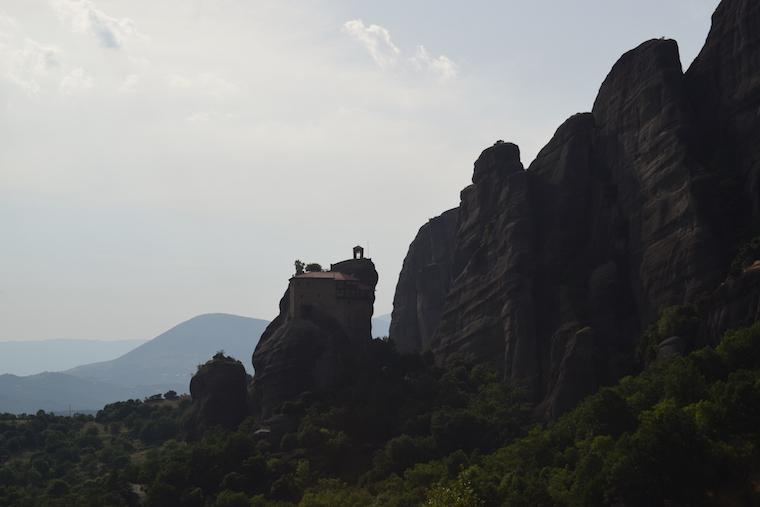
(313, 267)
(682, 321)
(684, 432)
(457, 494)
(678, 434)
(228, 498)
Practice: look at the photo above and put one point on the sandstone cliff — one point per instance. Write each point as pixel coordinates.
(634, 207)
(423, 284)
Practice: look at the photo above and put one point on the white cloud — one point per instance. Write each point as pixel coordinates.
(75, 81)
(386, 54)
(23, 61)
(376, 39)
(442, 66)
(29, 65)
(85, 17)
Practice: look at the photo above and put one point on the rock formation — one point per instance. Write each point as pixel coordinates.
(219, 392)
(639, 205)
(424, 282)
(314, 348)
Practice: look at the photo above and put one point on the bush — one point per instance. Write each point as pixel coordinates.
(229, 498)
(682, 321)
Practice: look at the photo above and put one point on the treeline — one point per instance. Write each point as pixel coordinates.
(684, 432)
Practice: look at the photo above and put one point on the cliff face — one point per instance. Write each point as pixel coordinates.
(631, 208)
(488, 312)
(313, 353)
(423, 284)
(724, 86)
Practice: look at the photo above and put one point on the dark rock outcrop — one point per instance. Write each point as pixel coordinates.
(310, 353)
(423, 284)
(675, 346)
(735, 303)
(488, 313)
(219, 392)
(632, 208)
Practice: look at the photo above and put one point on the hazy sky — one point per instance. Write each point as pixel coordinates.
(165, 158)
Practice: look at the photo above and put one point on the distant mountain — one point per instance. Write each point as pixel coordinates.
(171, 358)
(380, 325)
(30, 357)
(58, 392)
(163, 363)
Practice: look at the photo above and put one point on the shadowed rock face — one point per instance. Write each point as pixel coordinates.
(423, 284)
(629, 209)
(296, 355)
(219, 391)
(724, 86)
(488, 313)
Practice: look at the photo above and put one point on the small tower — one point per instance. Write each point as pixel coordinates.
(358, 252)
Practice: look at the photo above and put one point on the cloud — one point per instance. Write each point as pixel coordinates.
(376, 39)
(23, 61)
(85, 17)
(442, 66)
(30, 64)
(75, 81)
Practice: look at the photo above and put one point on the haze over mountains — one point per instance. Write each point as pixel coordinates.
(161, 364)
(170, 358)
(55, 375)
(31, 357)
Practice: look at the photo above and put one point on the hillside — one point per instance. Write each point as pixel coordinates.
(59, 392)
(32, 357)
(164, 363)
(171, 358)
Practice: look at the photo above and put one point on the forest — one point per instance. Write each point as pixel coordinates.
(683, 432)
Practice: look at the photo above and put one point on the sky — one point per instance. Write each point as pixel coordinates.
(163, 159)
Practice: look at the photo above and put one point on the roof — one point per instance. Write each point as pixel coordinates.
(327, 275)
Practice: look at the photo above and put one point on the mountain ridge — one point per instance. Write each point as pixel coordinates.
(164, 363)
(29, 357)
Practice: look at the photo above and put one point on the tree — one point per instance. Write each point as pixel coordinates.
(170, 395)
(313, 267)
(299, 267)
